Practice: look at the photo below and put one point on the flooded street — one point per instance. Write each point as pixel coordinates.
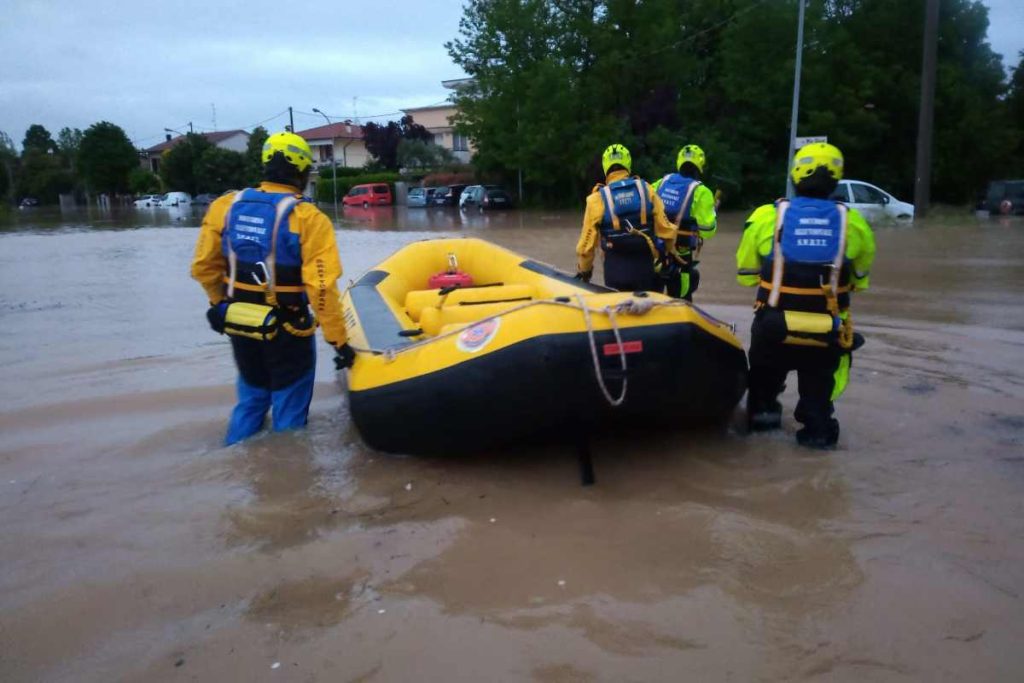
(135, 548)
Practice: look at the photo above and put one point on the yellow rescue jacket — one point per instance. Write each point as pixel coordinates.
(321, 264)
(759, 234)
(594, 214)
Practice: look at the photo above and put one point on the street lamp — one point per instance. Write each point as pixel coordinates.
(334, 166)
(173, 130)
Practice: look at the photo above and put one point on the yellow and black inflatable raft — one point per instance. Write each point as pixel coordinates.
(525, 349)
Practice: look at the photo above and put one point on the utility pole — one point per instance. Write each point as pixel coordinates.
(213, 108)
(926, 112)
(291, 121)
(334, 165)
(796, 97)
(190, 127)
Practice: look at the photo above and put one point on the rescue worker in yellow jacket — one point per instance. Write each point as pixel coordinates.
(691, 208)
(627, 218)
(264, 257)
(806, 256)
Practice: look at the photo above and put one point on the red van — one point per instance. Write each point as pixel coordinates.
(373, 194)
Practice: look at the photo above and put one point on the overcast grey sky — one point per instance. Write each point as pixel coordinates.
(148, 65)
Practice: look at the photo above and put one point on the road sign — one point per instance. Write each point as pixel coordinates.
(810, 139)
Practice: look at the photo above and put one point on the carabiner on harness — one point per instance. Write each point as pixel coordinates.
(266, 275)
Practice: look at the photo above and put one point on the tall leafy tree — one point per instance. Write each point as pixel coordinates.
(219, 170)
(554, 82)
(68, 142)
(178, 165)
(254, 154)
(382, 140)
(8, 164)
(106, 157)
(38, 139)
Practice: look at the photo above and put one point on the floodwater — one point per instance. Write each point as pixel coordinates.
(133, 547)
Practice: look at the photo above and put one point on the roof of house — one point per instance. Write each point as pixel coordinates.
(342, 129)
(431, 107)
(214, 137)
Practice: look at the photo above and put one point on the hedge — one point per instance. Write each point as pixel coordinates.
(343, 172)
(325, 194)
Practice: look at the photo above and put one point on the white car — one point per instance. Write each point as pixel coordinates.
(173, 199)
(148, 201)
(874, 203)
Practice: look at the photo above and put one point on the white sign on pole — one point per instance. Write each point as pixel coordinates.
(810, 139)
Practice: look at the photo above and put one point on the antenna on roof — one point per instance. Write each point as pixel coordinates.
(214, 108)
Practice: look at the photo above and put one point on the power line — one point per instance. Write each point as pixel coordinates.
(694, 36)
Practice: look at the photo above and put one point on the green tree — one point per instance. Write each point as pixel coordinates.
(106, 157)
(1015, 108)
(219, 170)
(38, 139)
(68, 142)
(423, 154)
(42, 176)
(382, 140)
(178, 165)
(8, 164)
(254, 155)
(143, 181)
(554, 82)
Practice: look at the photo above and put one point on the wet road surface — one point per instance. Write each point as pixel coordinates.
(133, 547)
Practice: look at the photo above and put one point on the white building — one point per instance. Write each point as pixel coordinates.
(234, 140)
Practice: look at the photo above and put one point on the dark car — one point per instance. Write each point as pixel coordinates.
(1005, 197)
(447, 195)
(485, 197)
(204, 199)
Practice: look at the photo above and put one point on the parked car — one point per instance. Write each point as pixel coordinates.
(447, 195)
(874, 203)
(28, 203)
(372, 194)
(485, 197)
(148, 201)
(204, 199)
(1005, 197)
(421, 196)
(175, 199)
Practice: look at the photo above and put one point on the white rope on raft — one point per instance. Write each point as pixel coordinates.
(630, 306)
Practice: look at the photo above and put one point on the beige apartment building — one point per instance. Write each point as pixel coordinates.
(438, 120)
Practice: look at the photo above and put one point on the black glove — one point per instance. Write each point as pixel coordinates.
(215, 315)
(584, 275)
(344, 357)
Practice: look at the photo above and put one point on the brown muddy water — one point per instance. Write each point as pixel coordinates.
(133, 547)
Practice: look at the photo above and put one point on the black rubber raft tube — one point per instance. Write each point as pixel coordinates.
(546, 384)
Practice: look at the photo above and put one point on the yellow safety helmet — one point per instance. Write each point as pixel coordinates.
(616, 154)
(815, 155)
(293, 147)
(692, 154)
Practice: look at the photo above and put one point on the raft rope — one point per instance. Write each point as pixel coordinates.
(598, 375)
(632, 306)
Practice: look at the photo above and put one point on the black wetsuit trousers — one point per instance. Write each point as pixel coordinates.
(674, 284)
(629, 272)
(277, 363)
(816, 368)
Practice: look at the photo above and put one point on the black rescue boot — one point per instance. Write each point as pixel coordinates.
(764, 417)
(823, 439)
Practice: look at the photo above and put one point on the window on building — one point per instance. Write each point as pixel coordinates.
(460, 143)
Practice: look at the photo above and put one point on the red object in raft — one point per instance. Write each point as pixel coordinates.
(459, 278)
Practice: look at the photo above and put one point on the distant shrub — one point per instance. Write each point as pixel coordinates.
(449, 178)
